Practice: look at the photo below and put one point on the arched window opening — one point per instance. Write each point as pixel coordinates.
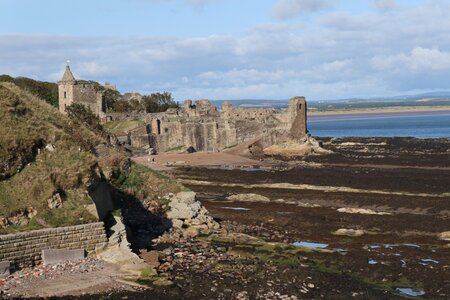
(158, 125)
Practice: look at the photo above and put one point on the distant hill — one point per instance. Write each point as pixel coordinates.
(425, 99)
(249, 103)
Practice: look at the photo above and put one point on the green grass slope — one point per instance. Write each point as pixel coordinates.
(123, 127)
(44, 153)
(47, 91)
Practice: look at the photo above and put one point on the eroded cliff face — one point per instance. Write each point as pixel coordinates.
(204, 127)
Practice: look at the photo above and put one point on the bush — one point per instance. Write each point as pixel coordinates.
(158, 102)
(80, 113)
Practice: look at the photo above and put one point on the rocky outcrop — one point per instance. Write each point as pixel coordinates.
(189, 215)
(248, 198)
(291, 149)
(19, 218)
(55, 201)
(349, 232)
(444, 236)
(362, 211)
(118, 249)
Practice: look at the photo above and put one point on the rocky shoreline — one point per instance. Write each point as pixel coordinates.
(245, 240)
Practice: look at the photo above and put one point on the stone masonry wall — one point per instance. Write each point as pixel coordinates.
(26, 247)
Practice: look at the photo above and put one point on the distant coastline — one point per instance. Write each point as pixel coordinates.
(378, 111)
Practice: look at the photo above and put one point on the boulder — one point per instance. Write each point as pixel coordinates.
(186, 212)
(191, 232)
(22, 216)
(349, 232)
(50, 148)
(444, 236)
(183, 211)
(3, 221)
(185, 197)
(55, 201)
(296, 148)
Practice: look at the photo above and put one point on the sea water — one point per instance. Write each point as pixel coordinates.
(414, 124)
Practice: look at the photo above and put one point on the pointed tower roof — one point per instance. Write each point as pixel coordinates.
(68, 76)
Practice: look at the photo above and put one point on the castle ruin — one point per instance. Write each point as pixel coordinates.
(204, 127)
(200, 125)
(88, 93)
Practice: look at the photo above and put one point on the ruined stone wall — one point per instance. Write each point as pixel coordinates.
(26, 247)
(262, 115)
(205, 135)
(140, 137)
(87, 94)
(204, 127)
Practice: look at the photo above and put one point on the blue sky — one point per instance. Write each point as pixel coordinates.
(228, 49)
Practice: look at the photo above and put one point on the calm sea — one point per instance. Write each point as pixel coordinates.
(414, 124)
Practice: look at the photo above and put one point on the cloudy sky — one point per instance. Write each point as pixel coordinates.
(234, 49)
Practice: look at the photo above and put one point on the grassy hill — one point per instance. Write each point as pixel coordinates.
(47, 91)
(45, 155)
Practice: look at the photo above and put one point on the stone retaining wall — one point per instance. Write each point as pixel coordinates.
(26, 247)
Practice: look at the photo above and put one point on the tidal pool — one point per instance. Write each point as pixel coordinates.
(236, 208)
(410, 292)
(311, 245)
(427, 261)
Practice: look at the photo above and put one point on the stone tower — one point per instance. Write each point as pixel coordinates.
(297, 115)
(65, 89)
(87, 93)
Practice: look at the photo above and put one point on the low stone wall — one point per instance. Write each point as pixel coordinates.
(26, 247)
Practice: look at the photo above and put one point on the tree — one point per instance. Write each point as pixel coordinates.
(135, 105)
(158, 102)
(82, 114)
(111, 97)
(121, 106)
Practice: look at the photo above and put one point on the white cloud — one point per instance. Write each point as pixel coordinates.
(285, 9)
(346, 21)
(418, 60)
(343, 55)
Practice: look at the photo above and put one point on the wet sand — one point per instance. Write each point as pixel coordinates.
(338, 114)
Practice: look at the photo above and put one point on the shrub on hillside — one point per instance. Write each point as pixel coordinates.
(45, 90)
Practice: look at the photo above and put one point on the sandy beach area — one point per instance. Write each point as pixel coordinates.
(167, 161)
(386, 110)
